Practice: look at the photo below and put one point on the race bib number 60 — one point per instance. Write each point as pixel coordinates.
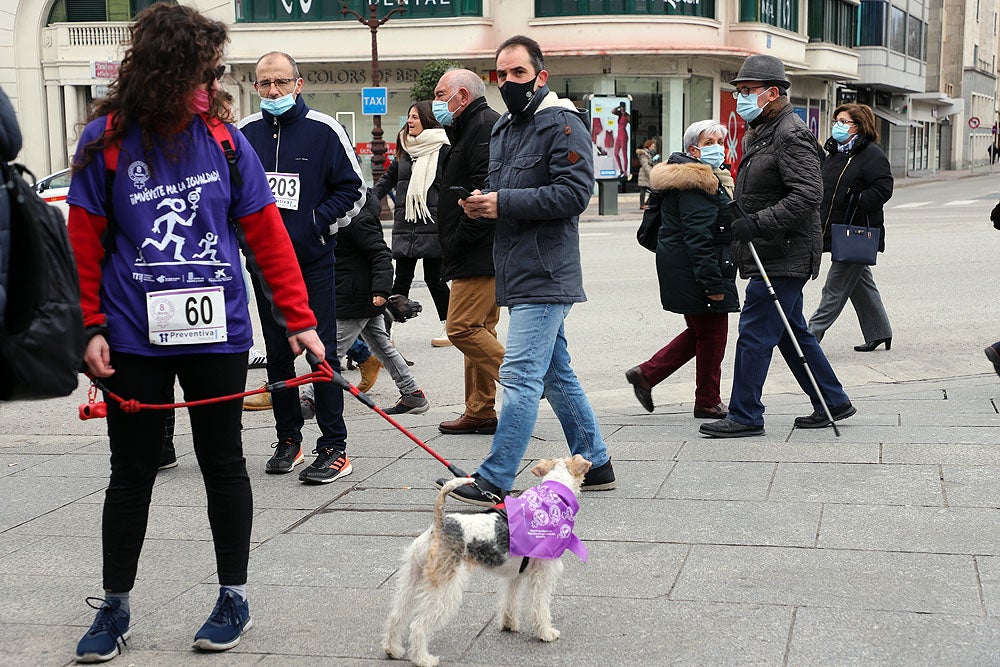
(187, 316)
(285, 188)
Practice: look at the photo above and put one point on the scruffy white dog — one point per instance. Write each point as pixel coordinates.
(437, 565)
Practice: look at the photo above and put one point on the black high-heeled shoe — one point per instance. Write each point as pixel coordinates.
(872, 344)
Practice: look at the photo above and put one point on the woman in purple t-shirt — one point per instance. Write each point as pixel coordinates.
(163, 297)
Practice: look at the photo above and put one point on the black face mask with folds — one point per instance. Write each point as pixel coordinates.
(517, 95)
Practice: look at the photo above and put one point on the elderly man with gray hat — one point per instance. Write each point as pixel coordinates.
(779, 188)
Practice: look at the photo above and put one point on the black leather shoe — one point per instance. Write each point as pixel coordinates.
(720, 411)
(994, 358)
(872, 344)
(727, 428)
(818, 419)
(642, 389)
(482, 493)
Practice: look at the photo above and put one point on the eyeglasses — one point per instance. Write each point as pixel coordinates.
(746, 90)
(841, 121)
(215, 74)
(267, 83)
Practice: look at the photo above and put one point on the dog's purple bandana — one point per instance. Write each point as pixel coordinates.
(541, 520)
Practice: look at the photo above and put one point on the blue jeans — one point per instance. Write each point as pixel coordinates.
(281, 362)
(536, 364)
(761, 329)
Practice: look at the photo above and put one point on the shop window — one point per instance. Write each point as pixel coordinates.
(897, 30)
(833, 21)
(548, 8)
(96, 11)
(782, 14)
(273, 11)
(872, 24)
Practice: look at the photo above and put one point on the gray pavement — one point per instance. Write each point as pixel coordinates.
(878, 547)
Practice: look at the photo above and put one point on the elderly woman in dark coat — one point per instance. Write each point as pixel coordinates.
(857, 183)
(695, 266)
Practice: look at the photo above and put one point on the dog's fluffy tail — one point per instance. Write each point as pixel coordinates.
(449, 486)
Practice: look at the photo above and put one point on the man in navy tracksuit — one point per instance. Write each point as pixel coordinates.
(317, 184)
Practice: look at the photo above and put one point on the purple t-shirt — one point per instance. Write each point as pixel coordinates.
(173, 236)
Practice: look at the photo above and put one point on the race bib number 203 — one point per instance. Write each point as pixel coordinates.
(285, 188)
(187, 316)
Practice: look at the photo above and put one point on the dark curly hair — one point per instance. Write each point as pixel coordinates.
(172, 49)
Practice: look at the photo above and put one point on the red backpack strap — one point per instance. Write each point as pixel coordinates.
(111, 150)
(220, 132)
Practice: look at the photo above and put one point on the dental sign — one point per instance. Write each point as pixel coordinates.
(305, 6)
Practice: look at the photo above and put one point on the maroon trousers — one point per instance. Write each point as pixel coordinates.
(705, 341)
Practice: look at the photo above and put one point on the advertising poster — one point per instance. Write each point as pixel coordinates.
(736, 126)
(611, 134)
(813, 122)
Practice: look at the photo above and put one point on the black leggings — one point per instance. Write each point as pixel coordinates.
(405, 266)
(136, 443)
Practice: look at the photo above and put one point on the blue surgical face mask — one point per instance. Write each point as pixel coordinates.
(746, 107)
(712, 155)
(841, 133)
(278, 106)
(441, 111)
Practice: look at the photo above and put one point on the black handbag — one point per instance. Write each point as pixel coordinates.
(854, 244)
(649, 228)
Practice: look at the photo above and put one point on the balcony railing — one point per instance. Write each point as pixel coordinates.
(104, 34)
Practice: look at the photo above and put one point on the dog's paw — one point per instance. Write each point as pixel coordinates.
(394, 651)
(511, 625)
(426, 660)
(548, 634)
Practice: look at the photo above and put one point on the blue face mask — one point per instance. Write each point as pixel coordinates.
(746, 107)
(841, 133)
(712, 155)
(278, 106)
(440, 109)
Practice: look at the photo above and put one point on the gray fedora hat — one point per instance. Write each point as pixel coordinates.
(766, 69)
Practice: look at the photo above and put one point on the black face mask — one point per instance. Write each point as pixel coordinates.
(517, 95)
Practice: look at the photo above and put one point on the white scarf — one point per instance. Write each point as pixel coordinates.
(423, 149)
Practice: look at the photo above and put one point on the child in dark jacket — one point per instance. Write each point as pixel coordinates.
(364, 281)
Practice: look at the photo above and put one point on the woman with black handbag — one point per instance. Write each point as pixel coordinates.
(694, 264)
(857, 182)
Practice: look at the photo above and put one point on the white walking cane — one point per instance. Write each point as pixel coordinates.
(739, 213)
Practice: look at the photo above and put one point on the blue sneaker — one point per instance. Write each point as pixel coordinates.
(229, 620)
(110, 627)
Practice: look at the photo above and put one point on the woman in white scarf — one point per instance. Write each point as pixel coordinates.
(421, 146)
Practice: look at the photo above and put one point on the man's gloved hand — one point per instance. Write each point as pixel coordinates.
(995, 216)
(744, 229)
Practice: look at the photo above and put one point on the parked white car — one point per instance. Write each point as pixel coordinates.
(53, 189)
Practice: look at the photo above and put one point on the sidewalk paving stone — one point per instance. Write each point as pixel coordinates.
(928, 583)
(942, 530)
(861, 483)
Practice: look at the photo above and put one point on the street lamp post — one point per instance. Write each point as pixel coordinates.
(373, 23)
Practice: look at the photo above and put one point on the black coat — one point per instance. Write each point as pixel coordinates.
(467, 244)
(779, 180)
(10, 146)
(411, 238)
(364, 264)
(693, 255)
(864, 171)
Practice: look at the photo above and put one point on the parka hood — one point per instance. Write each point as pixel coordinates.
(691, 175)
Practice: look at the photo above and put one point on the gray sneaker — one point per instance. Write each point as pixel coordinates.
(410, 404)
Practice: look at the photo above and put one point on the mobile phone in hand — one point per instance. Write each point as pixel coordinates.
(462, 192)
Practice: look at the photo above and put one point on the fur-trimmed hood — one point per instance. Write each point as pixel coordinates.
(689, 176)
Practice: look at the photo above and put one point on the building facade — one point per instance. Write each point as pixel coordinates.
(669, 59)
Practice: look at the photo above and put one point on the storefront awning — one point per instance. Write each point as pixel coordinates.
(896, 119)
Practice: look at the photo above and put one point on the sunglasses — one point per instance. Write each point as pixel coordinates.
(215, 74)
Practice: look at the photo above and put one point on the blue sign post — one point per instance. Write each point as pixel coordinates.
(374, 101)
